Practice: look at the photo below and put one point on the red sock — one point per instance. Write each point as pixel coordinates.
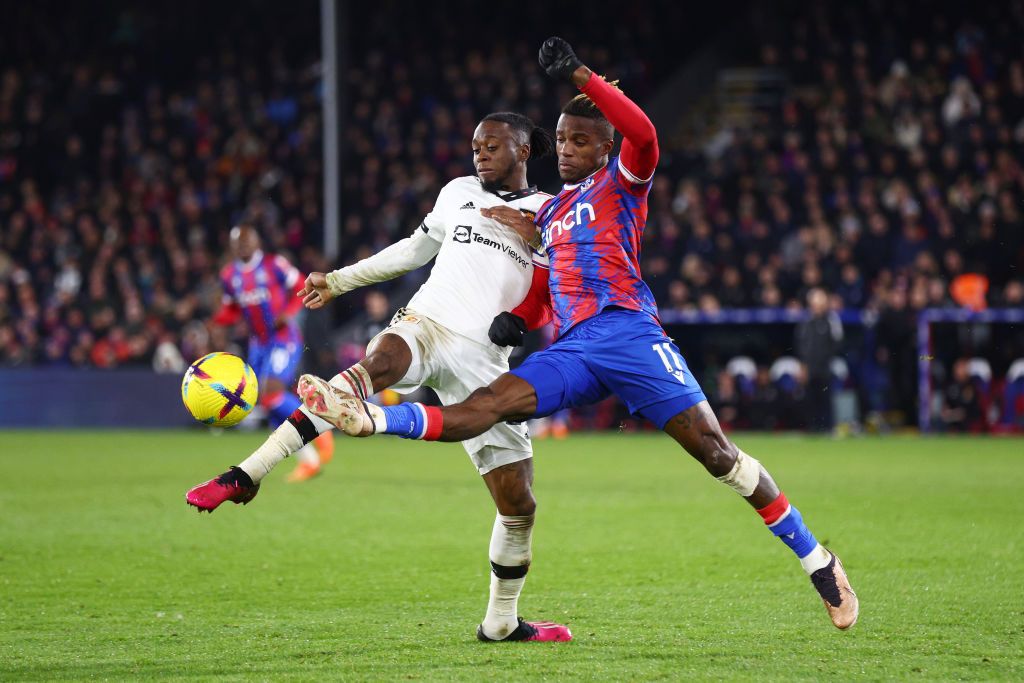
(435, 423)
(771, 512)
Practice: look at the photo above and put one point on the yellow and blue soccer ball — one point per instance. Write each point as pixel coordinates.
(219, 389)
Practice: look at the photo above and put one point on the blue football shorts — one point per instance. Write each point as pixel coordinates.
(275, 359)
(620, 352)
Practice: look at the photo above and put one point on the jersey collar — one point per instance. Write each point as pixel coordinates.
(511, 196)
(575, 185)
(257, 256)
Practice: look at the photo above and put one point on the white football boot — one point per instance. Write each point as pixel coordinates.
(345, 411)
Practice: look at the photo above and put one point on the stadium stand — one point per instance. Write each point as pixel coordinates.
(882, 172)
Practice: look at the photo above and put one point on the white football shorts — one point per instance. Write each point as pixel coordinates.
(455, 366)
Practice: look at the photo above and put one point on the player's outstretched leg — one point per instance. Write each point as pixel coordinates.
(298, 430)
(510, 553)
(386, 365)
(698, 431)
(508, 397)
(348, 411)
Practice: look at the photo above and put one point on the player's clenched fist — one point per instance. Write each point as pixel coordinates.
(558, 59)
(316, 291)
(507, 329)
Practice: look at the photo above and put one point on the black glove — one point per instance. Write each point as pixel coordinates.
(557, 58)
(507, 329)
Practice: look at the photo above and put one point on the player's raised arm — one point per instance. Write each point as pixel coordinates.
(639, 155)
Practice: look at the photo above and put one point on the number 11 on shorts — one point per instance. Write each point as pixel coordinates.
(664, 350)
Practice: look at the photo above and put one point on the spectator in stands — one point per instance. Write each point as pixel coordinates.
(961, 104)
(896, 352)
(376, 316)
(961, 407)
(817, 341)
(763, 410)
(727, 401)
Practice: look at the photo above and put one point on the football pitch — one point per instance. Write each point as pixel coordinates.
(378, 569)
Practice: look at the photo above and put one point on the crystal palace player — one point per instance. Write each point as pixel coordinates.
(441, 341)
(610, 338)
(261, 288)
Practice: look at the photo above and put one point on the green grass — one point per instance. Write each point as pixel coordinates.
(378, 570)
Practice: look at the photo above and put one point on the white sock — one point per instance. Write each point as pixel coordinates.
(286, 440)
(510, 548)
(281, 443)
(816, 559)
(355, 380)
(380, 420)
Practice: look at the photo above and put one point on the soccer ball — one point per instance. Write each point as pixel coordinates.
(219, 389)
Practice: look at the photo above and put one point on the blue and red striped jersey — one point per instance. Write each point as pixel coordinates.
(591, 233)
(263, 290)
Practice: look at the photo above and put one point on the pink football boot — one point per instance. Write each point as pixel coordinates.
(234, 485)
(544, 631)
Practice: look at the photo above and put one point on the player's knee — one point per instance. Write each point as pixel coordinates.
(519, 504)
(381, 369)
(515, 497)
(388, 362)
(719, 454)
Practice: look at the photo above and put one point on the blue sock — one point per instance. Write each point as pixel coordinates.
(407, 420)
(283, 410)
(794, 533)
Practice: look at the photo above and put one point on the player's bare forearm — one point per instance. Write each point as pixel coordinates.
(581, 75)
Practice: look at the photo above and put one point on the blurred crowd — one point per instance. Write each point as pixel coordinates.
(892, 164)
(131, 140)
(121, 174)
(890, 173)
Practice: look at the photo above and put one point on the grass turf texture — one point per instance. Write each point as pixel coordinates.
(378, 569)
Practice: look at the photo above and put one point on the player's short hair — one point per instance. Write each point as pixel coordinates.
(584, 107)
(542, 142)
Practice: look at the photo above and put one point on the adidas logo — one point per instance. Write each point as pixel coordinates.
(467, 205)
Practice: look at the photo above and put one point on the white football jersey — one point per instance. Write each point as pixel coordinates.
(482, 268)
